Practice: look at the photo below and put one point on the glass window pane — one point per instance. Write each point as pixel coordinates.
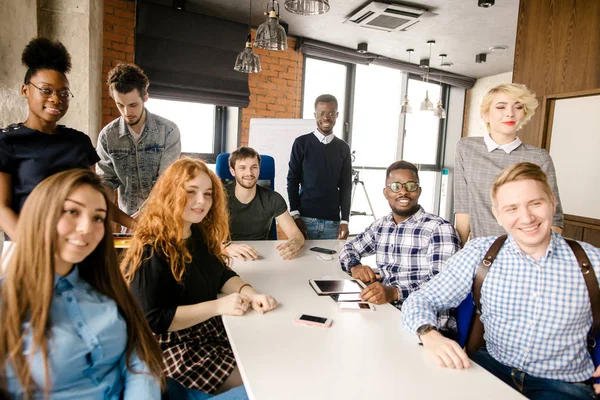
(196, 123)
(427, 180)
(376, 115)
(323, 77)
(421, 127)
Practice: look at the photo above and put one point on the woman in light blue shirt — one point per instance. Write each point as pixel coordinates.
(69, 327)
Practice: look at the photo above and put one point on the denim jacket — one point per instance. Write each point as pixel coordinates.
(133, 169)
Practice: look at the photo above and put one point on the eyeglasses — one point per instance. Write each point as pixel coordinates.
(321, 114)
(396, 187)
(47, 92)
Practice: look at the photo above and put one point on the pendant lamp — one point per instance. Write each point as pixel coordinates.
(406, 107)
(270, 35)
(248, 61)
(439, 111)
(307, 7)
(426, 104)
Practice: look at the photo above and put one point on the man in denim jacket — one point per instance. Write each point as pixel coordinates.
(138, 146)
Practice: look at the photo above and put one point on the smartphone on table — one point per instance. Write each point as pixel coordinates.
(323, 250)
(313, 320)
(356, 306)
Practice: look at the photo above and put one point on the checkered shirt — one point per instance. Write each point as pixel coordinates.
(408, 254)
(536, 314)
(474, 173)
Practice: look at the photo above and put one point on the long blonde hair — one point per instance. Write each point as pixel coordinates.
(28, 287)
(160, 224)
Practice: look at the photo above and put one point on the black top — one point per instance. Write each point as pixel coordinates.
(158, 292)
(30, 156)
(253, 221)
(324, 174)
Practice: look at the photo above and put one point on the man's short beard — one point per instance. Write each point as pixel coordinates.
(406, 213)
(240, 182)
(138, 120)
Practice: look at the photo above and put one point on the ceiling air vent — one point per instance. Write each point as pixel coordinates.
(386, 17)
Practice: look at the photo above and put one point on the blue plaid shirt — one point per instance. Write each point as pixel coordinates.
(408, 254)
(536, 314)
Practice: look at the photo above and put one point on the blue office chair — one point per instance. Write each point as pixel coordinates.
(266, 177)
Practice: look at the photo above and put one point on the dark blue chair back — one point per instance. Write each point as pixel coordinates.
(464, 314)
(266, 177)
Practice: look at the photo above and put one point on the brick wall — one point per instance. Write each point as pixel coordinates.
(275, 92)
(118, 46)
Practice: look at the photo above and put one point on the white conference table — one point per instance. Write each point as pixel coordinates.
(363, 355)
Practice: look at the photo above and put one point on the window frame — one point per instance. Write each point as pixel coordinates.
(219, 138)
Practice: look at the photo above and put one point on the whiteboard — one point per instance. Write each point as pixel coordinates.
(574, 146)
(275, 137)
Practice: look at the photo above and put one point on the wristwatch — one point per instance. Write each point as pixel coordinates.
(423, 329)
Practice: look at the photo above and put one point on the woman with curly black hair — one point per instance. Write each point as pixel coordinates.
(39, 147)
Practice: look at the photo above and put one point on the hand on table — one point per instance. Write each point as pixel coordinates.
(363, 273)
(343, 231)
(288, 249)
(377, 293)
(262, 303)
(445, 352)
(233, 304)
(242, 251)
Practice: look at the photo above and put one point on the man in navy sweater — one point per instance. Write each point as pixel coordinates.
(319, 180)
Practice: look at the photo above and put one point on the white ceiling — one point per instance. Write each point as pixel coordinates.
(461, 29)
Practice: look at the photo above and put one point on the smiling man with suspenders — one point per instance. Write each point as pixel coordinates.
(536, 304)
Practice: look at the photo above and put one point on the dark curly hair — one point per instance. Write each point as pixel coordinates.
(127, 77)
(42, 53)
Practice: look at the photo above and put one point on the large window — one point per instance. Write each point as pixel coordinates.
(376, 115)
(377, 133)
(201, 125)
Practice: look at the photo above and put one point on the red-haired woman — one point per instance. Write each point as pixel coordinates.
(176, 268)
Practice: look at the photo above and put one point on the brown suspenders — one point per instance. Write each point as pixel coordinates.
(475, 336)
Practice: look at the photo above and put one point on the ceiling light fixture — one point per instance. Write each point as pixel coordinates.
(248, 61)
(270, 35)
(485, 3)
(307, 7)
(179, 5)
(427, 105)
(439, 111)
(362, 48)
(480, 58)
(406, 107)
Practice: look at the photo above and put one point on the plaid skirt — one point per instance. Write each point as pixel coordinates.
(198, 357)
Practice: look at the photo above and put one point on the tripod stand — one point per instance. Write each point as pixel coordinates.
(355, 182)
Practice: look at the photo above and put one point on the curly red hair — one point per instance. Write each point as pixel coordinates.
(161, 226)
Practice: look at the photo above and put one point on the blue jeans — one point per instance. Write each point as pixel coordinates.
(321, 228)
(532, 387)
(176, 391)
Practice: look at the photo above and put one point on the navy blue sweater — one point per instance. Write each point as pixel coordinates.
(319, 180)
